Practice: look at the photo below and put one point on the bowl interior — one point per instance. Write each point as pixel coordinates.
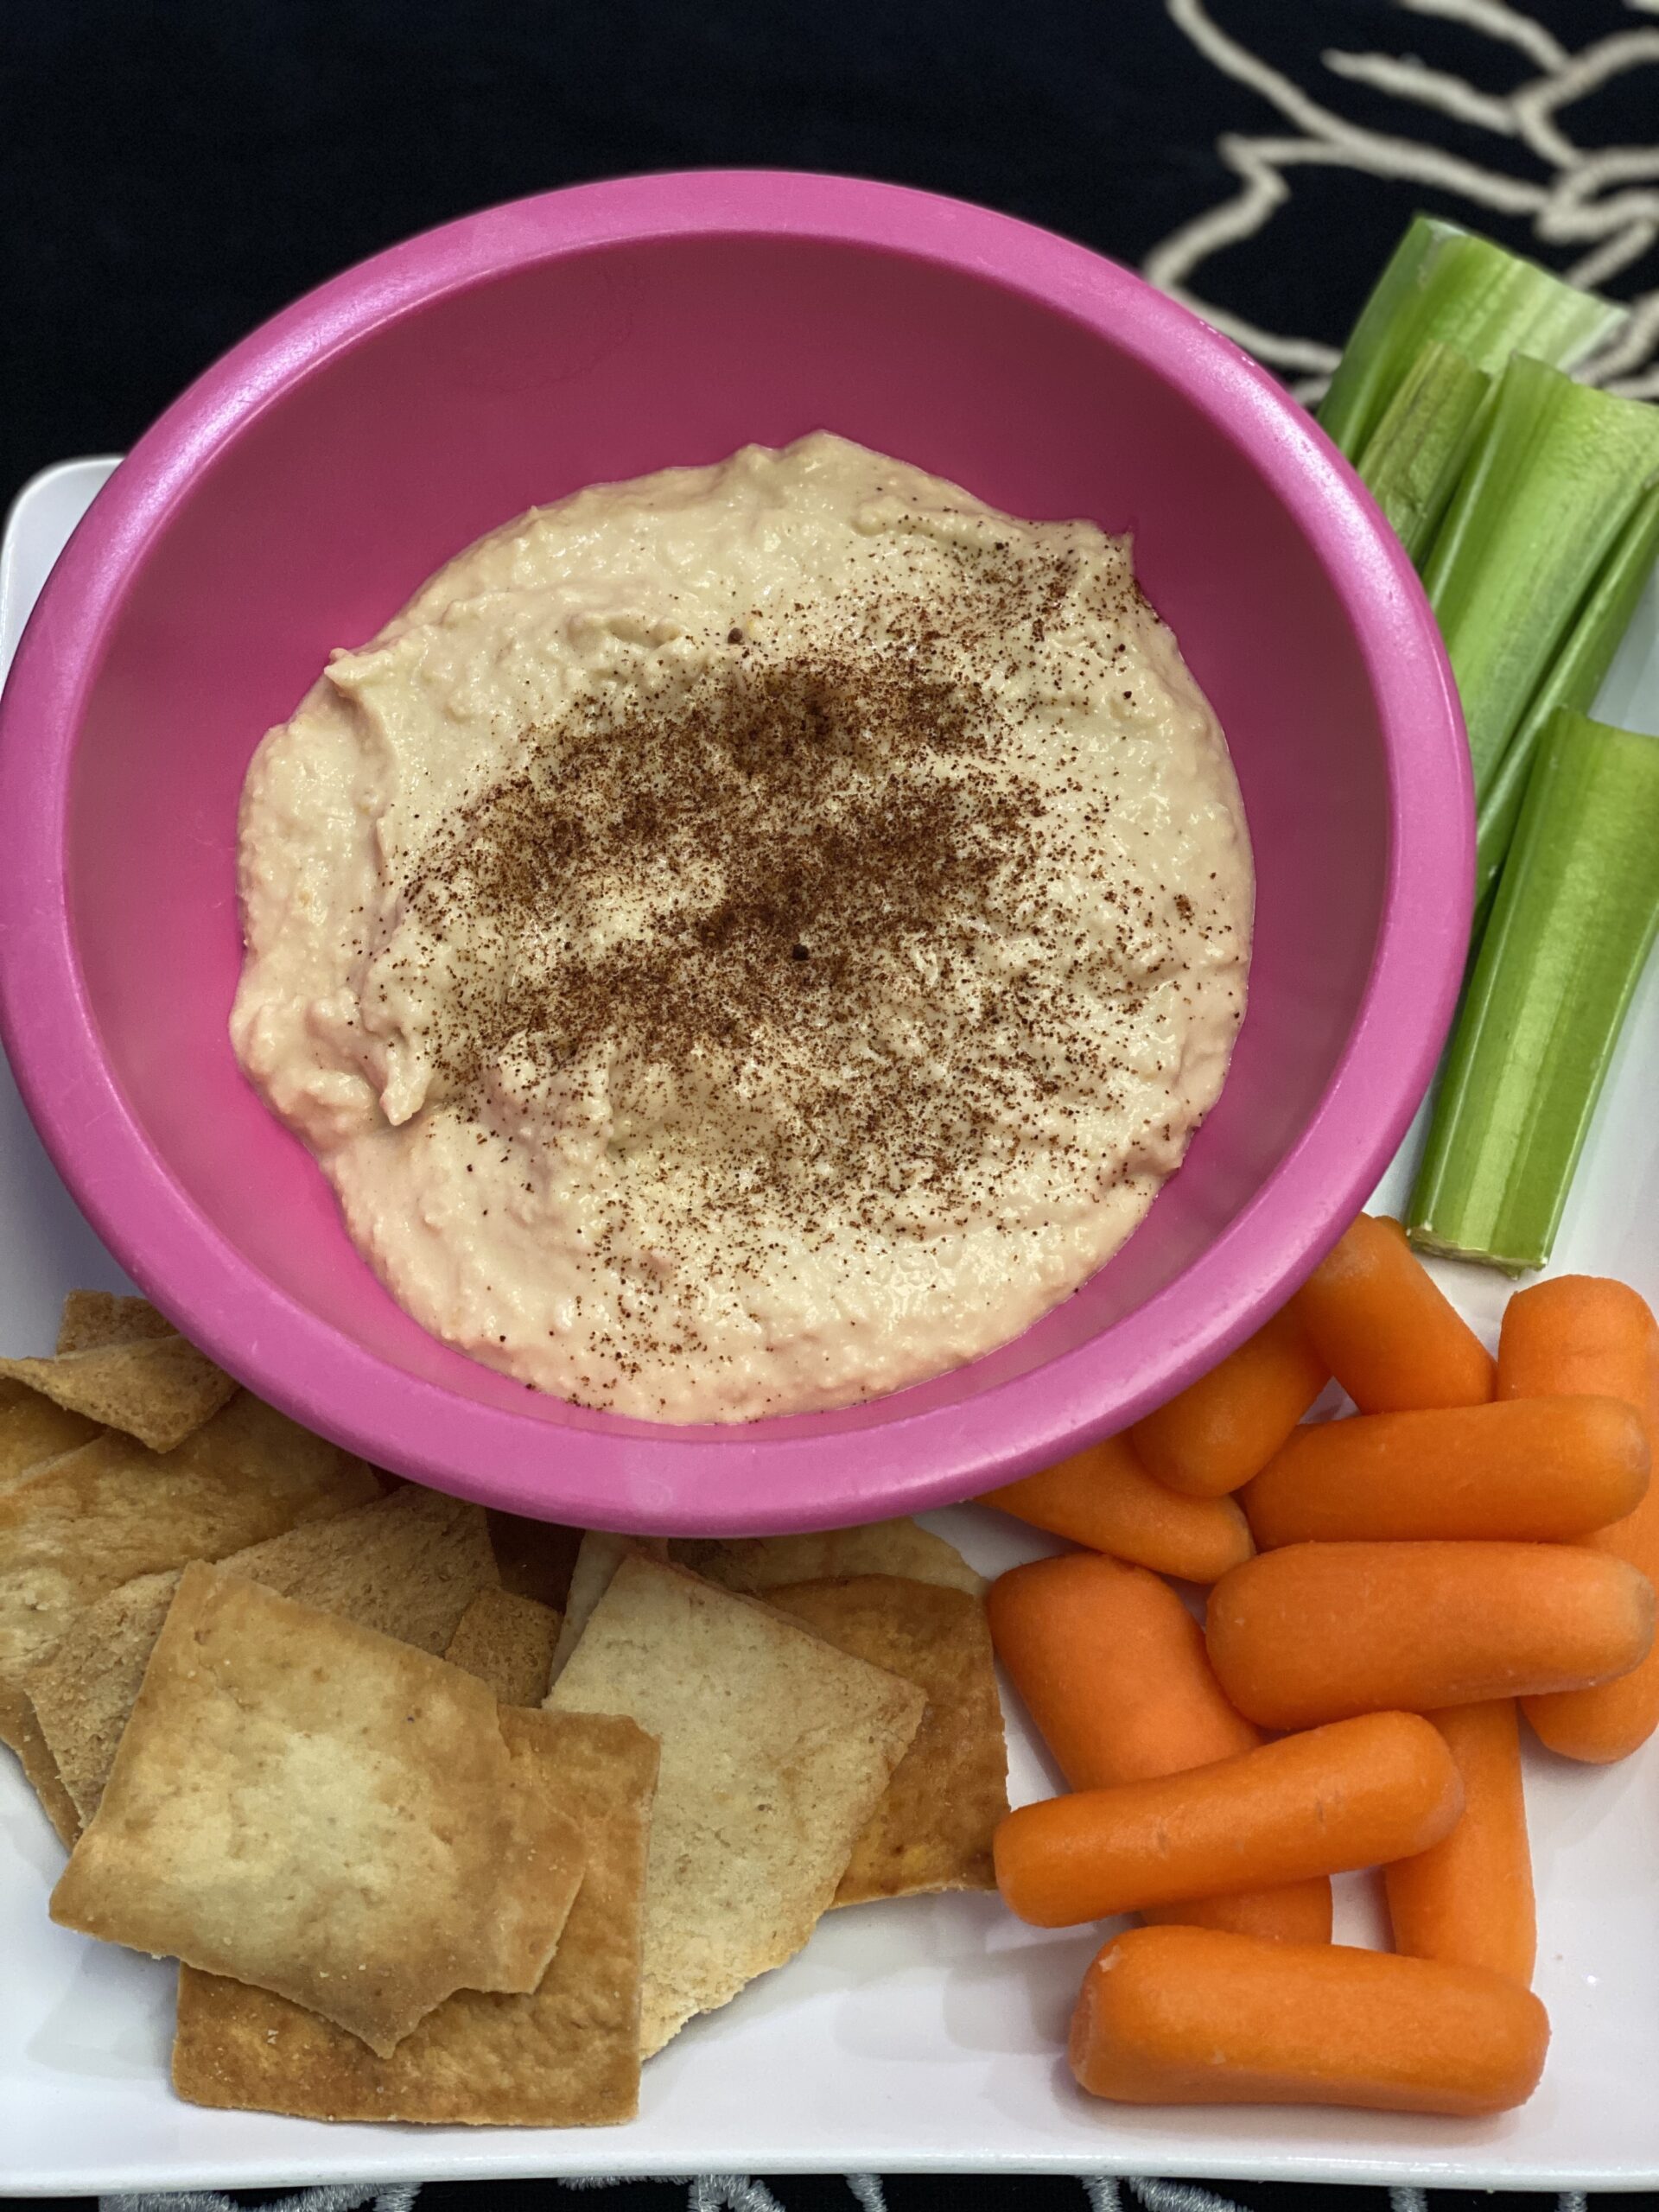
(322, 511)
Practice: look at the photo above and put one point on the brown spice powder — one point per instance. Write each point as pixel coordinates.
(829, 844)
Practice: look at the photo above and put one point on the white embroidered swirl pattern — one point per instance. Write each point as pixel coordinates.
(1592, 212)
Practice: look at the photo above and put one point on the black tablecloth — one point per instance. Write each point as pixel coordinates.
(173, 171)
(859, 2193)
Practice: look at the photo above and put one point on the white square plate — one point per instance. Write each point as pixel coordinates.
(925, 2036)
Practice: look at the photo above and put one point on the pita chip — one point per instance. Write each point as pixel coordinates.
(93, 1518)
(932, 1829)
(303, 1804)
(507, 1642)
(106, 1317)
(598, 1557)
(776, 1750)
(160, 1389)
(81, 1698)
(757, 1564)
(567, 2055)
(407, 1565)
(33, 1430)
(40, 1772)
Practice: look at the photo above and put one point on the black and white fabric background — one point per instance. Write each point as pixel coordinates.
(171, 171)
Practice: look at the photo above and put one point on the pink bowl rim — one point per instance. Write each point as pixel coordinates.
(699, 1482)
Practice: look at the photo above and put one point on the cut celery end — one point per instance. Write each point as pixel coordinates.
(1577, 910)
(1554, 474)
(1447, 284)
(1573, 682)
(1413, 457)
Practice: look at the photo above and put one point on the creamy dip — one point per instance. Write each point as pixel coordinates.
(748, 938)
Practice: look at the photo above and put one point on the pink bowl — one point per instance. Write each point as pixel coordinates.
(297, 494)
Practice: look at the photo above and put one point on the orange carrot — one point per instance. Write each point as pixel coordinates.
(1580, 1336)
(1188, 2016)
(1215, 1435)
(1105, 1499)
(1386, 1331)
(1112, 1669)
(1532, 1470)
(1468, 1898)
(1289, 1912)
(1355, 1793)
(1317, 1632)
(1584, 1332)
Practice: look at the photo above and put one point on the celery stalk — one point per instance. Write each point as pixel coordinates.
(1447, 284)
(1573, 681)
(1413, 457)
(1578, 907)
(1553, 479)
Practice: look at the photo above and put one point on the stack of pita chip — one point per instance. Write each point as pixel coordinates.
(449, 1816)
(128, 1454)
(827, 1737)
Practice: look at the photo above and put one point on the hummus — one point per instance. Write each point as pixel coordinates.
(749, 938)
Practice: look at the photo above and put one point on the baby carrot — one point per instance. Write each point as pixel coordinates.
(1189, 2016)
(1468, 1898)
(1355, 1793)
(1105, 1499)
(1580, 1336)
(1289, 1912)
(1386, 1332)
(1531, 1470)
(1317, 1632)
(1113, 1671)
(1585, 1333)
(1217, 1433)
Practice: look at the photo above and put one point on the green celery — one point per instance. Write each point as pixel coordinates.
(1413, 457)
(1577, 910)
(1573, 681)
(1447, 284)
(1553, 479)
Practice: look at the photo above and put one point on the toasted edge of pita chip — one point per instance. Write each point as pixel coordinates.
(160, 1389)
(507, 1642)
(567, 2055)
(40, 1772)
(107, 1316)
(932, 1829)
(757, 1564)
(310, 1806)
(408, 1564)
(777, 1749)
